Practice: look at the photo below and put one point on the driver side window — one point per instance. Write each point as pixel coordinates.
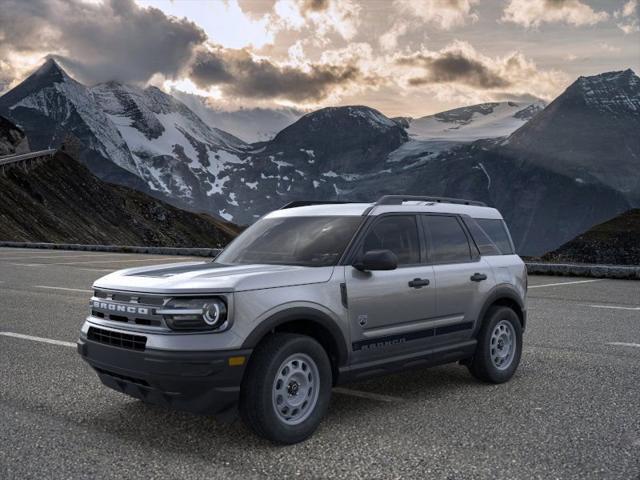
(398, 233)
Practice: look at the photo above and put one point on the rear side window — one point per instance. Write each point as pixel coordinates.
(497, 231)
(398, 233)
(485, 244)
(447, 241)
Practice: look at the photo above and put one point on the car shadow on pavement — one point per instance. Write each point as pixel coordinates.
(137, 422)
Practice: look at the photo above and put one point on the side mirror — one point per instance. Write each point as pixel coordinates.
(377, 260)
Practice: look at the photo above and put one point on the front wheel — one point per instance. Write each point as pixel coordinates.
(499, 346)
(287, 388)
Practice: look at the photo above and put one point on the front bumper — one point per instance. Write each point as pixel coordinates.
(198, 382)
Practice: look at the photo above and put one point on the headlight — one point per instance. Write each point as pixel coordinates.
(195, 314)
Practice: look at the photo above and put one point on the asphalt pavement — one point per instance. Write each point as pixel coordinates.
(572, 411)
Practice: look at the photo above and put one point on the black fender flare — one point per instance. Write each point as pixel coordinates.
(303, 314)
(498, 293)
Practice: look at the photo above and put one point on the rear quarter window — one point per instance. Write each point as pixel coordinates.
(490, 236)
(496, 231)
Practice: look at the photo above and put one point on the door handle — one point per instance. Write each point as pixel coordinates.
(419, 283)
(478, 277)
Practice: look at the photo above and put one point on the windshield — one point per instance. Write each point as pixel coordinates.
(305, 241)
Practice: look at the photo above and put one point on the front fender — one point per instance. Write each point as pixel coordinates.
(316, 314)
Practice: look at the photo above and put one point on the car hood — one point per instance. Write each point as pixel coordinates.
(208, 277)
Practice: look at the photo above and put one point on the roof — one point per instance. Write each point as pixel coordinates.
(358, 209)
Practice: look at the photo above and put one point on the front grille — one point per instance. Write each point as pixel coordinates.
(128, 308)
(117, 339)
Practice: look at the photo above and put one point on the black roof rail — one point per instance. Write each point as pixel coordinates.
(306, 203)
(400, 199)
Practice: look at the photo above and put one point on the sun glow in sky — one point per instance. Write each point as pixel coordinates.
(403, 57)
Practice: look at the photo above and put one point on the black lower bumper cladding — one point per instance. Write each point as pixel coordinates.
(198, 382)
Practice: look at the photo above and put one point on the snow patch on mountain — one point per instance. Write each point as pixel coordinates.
(467, 124)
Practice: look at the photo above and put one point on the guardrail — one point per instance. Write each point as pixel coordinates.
(628, 272)
(11, 159)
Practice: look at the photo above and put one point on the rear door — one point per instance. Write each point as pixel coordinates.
(389, 309)
(462, 277)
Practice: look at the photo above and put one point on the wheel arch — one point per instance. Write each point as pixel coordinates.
(305, 321)
(504, 295)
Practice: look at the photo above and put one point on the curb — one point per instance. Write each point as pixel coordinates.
(196, 252)
(584, 270)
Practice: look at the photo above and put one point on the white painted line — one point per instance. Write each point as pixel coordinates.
(564, 283)
(615, 307)
(622, 344)
(65, 289)
(367, 395)
(38, 339)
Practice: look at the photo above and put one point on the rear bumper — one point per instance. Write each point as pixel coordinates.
(198, 382)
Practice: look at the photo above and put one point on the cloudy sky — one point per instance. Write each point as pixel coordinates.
(404, 57)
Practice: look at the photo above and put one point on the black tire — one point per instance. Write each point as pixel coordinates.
(482, 366)
(257, 408)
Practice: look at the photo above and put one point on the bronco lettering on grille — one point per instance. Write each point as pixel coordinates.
(117, 307)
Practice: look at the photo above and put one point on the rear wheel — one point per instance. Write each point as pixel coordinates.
(499, 346)
(287, 388)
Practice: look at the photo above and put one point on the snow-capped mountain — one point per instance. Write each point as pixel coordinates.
(476, 122)
(250, 124)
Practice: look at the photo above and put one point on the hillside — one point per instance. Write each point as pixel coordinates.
(612, 242)
(59, 200)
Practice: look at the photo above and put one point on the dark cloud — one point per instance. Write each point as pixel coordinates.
(238, 73)
(113, 40)
(453, 67)
(314, 5)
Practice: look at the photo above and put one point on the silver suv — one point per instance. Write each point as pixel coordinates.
(310, 296)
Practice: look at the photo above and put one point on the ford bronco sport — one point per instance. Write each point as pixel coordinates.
(313, 295)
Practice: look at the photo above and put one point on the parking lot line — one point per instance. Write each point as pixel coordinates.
(623, 344)
(614, 307)
(38, 339)
(65, 289)
(565, 283)
(367, 395)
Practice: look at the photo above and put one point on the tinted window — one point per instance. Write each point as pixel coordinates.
(305, 241)
(484, 243)
(448, 242)
(497, 231)
(396, 233)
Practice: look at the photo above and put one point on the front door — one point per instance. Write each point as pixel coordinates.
(388, 310)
